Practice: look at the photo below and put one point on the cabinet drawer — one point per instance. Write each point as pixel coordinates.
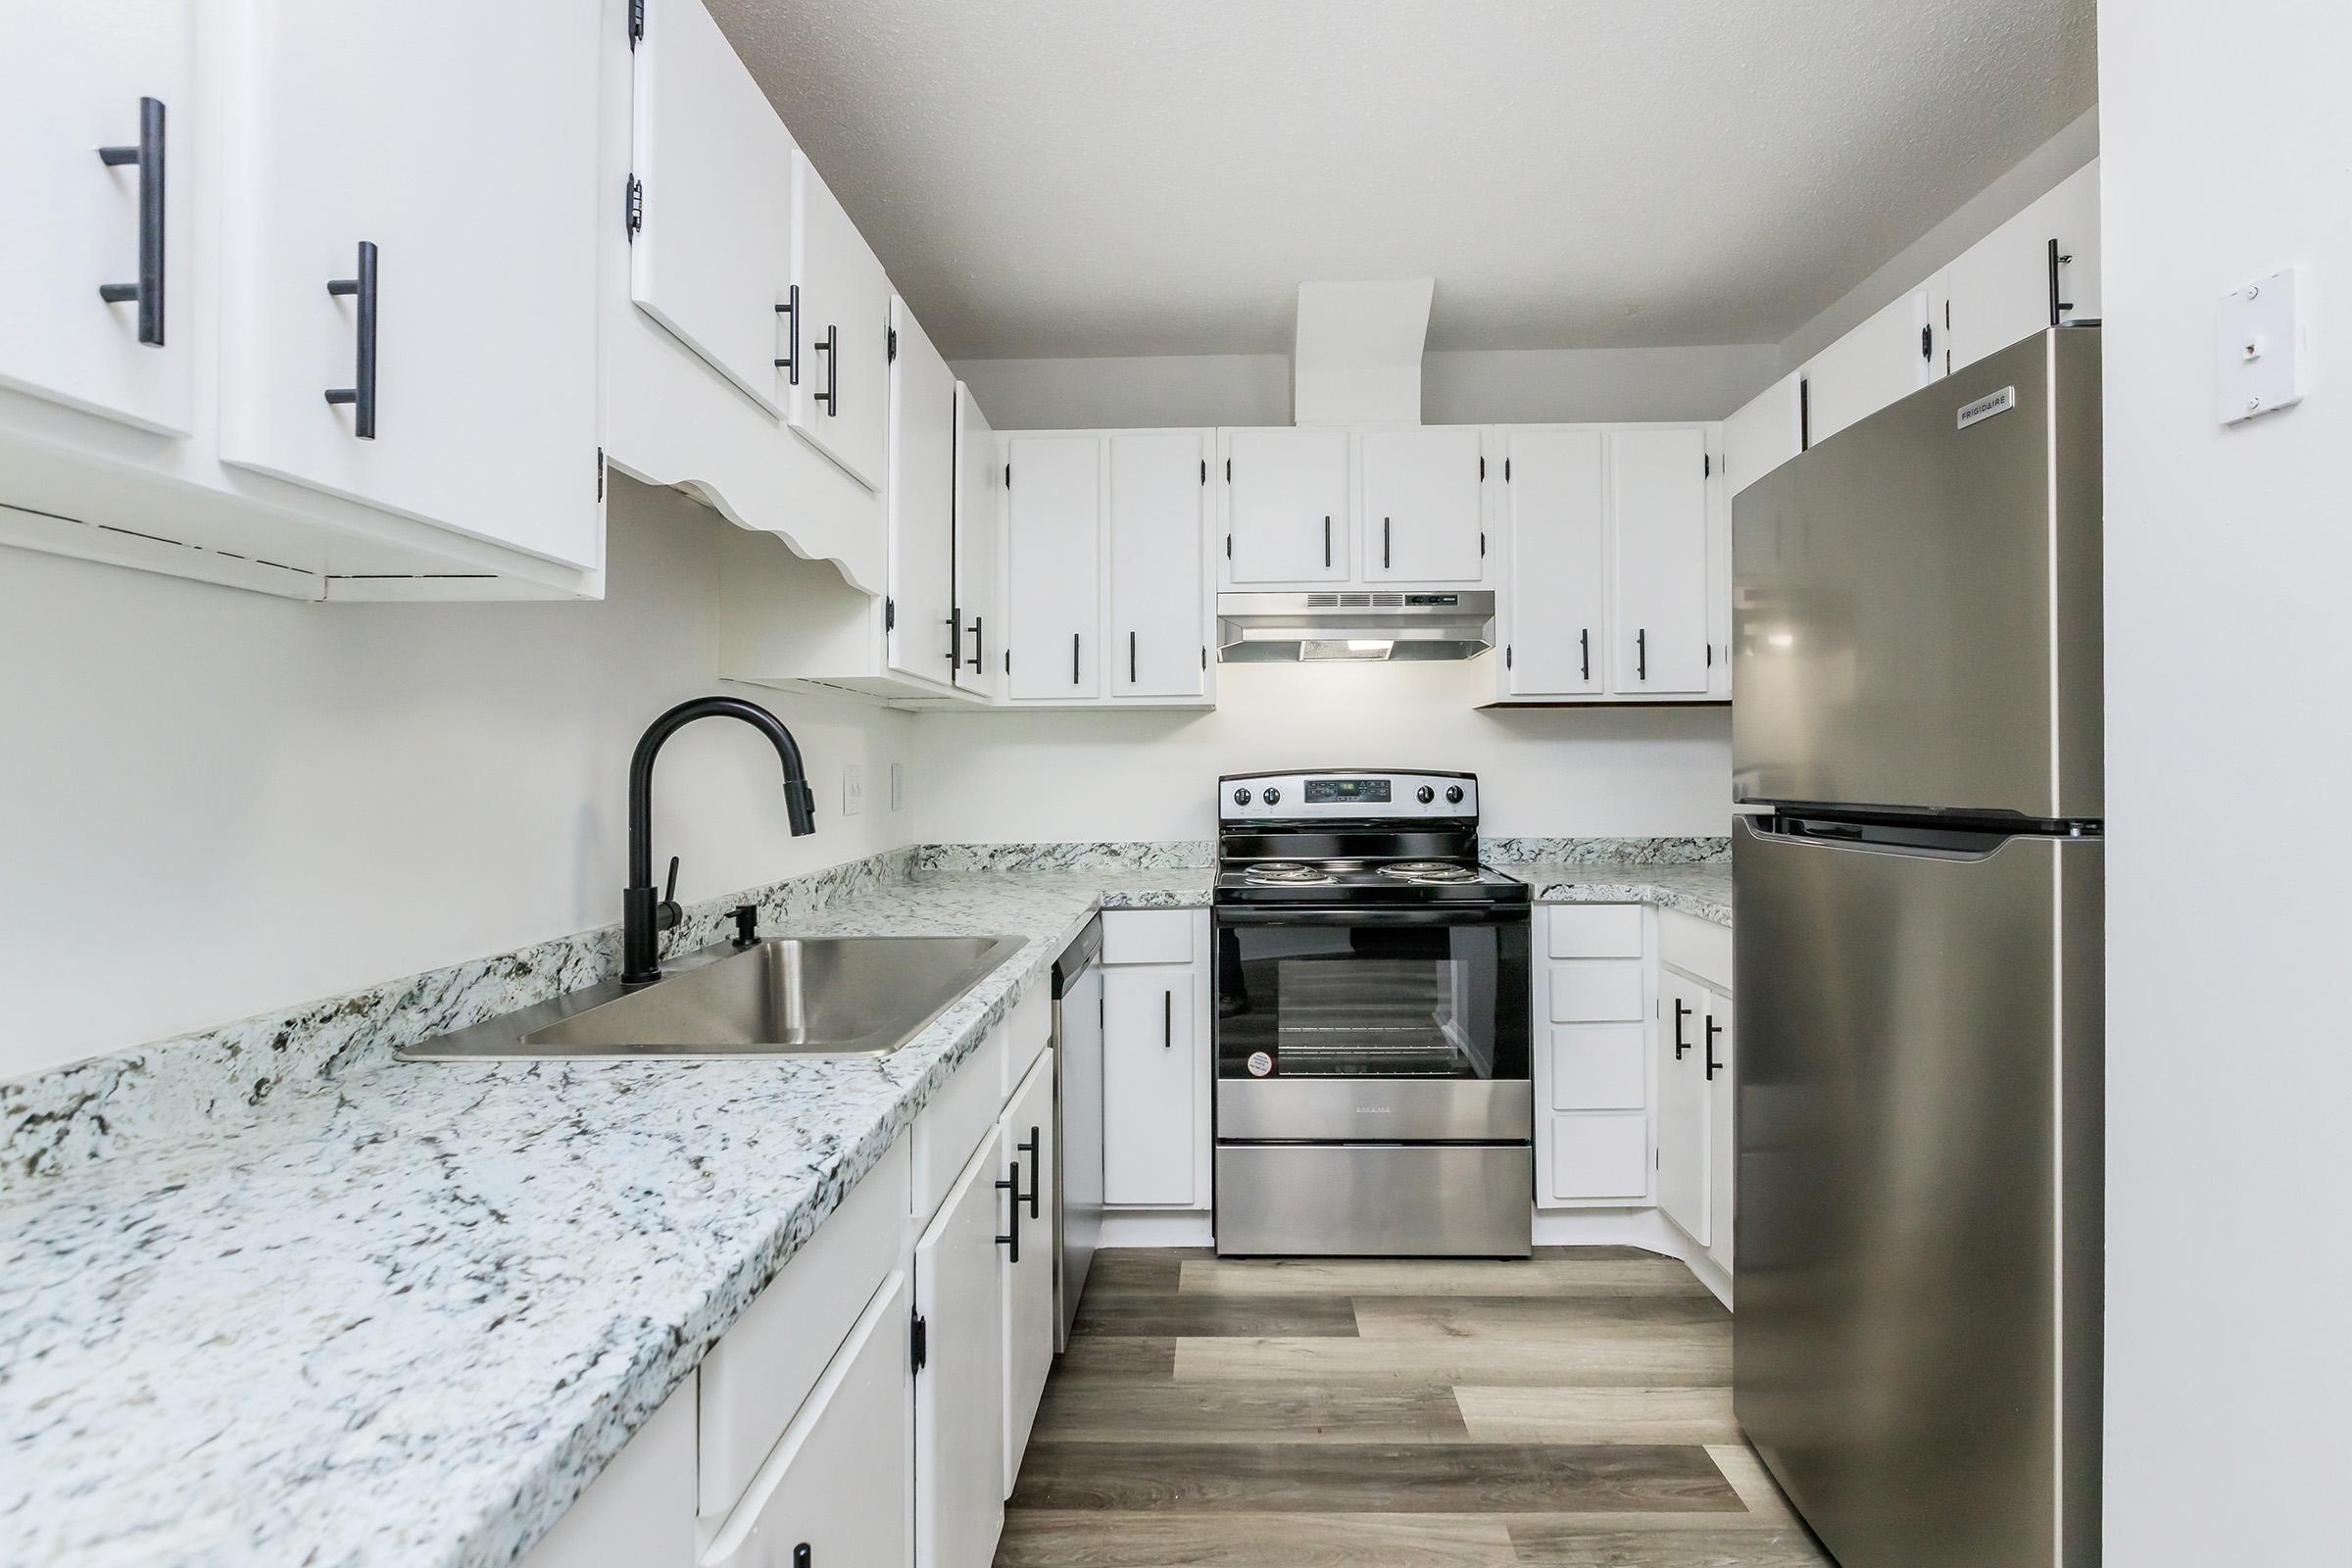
(1026, 1029)
(1595, 930)
(760, 1370)
(1599, 1066)
(1600, 1156)
(841, 1481)
(1148, 936)
(1596, 991)
(957, 1117)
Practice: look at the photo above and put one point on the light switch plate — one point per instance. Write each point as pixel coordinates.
(852, 789)
(898, 786)
(2259, 351)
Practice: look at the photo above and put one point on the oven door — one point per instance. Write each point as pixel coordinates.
(1379, 1024)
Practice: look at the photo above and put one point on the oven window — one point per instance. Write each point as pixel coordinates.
(1370, 1000)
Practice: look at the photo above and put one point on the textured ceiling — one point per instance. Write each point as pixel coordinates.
(1157, 177)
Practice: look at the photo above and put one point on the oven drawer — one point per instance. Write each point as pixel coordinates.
(1389, 1110)
(1376, 1199)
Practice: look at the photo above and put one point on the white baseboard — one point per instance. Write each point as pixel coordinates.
(1157, 1226)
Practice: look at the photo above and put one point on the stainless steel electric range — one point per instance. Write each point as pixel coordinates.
(1372, 1093)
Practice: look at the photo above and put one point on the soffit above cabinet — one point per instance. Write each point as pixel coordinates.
(1714, 153)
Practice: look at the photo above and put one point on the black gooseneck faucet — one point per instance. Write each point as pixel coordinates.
(646, 911)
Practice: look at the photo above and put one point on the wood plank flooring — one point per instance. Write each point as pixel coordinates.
(1573, 1410)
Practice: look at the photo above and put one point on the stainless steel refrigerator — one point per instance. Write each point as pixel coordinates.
(1918, 930)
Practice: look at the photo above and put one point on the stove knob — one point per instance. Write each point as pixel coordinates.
(1425, 795)
(1272, 795)
(1453, 795)
(1240, 796)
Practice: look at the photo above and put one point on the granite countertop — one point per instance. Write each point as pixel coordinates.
(406, 1314)
(1703, 889)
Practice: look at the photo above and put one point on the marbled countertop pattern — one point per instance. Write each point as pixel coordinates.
(1703, 889)
(404, 1313)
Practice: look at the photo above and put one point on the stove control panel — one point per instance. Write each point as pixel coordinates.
(1403, 796)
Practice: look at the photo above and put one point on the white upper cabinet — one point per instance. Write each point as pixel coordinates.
(101, 129)
(1658, 520)
(843, 320)
(1421, 510)
(2000, 290)
(711, 259)
(1555, 599)
(979, 549)
(1889, 357)
(1287, 510)
(408, 316)
(925, 640)
(1054, 558)
(1158, 520)
(1766, 432)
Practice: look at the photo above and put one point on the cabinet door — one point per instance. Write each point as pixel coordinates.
(1158, 491)
(1149, 1073)
(838, 1489)
(1557, 637)
(1421, 505)
(1764, 434)
(2000, 289)
(1683, 1096)
(437, 162)
(837, 400)
(1885, 358)
(1722, 1142)
(960, 1392)
(979, 548)
(639, 1510)
(1658, 514)
(1026, 1141)
(75, 78)
(712, 257)
(1286, 507)
(925, 640)
(1054, 557)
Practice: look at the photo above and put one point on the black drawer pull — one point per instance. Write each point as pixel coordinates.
(148, 291)
(1073, 659)
(1680, 1044)
(1713, 1029)
(361, 394)
(1030, 1147)
(1167, 1021)
(1012, 1241)
(1583, 650)
(1642, 654)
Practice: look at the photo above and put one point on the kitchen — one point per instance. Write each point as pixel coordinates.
(1065, 480)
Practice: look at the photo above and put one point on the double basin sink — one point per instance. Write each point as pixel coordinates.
(803, 998)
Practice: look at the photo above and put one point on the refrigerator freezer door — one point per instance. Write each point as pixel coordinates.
(1916, 604)
(1916, 1353)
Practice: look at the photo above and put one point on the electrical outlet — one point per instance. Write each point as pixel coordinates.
(898, 786)
(852, 789)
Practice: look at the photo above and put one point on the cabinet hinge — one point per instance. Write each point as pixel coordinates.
(1926, 342)
(1205, 471)
(1482, 470)
(1007, 660)
(636, 21)
(1203, 656)
(635, 217)
(889, 614)
(1008, 476)
(1506, 470)
(600, 473)
(1507, 656)
(1228, 547)
(1710, 656)
(1707, 466)
(1482, 544)
(892, 351)
(919, 1342)
(1229, 470)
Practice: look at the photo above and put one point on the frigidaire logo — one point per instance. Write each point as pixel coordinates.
(1985, 407)
(1374, 1110)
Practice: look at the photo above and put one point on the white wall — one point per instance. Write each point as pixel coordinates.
(2229, 1367)
(219, 803)
(1151, 775)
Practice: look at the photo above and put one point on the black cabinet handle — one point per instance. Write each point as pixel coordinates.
(1383, 544)
(361, 394)
(2058, 307)
(830, 348)
(1035, 1169)
(148, 291)
(801, 1557)
(1012, 1241)
(1131, 658)
(1327, 539)
(1073, 659)
(1713, 1029)
(1680, 1044)
(1583, 650)
(1167, 1021)
(1641, 654)
(790, 310)
(976, 644)
(955, 640)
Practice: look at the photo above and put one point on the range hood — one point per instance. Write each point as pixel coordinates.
(1353, 626)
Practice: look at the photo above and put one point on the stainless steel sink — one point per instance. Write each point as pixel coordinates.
(808, 997)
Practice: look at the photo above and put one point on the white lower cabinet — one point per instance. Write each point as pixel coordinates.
(838, 1489)
(639, 1512)
(960, 1385)
(1698, 1146)
(1723, 1142)
(1156, 1027)
(1684, 1103)
(1025, 1144)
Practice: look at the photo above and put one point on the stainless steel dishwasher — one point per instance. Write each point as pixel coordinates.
(1077, 1122)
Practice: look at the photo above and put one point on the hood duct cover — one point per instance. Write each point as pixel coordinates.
(1357, 627)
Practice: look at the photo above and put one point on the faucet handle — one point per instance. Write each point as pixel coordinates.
(667, 913)
(747, 916)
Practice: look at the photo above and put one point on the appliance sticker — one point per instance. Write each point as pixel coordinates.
(1984, 407)
(1261, 1064)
